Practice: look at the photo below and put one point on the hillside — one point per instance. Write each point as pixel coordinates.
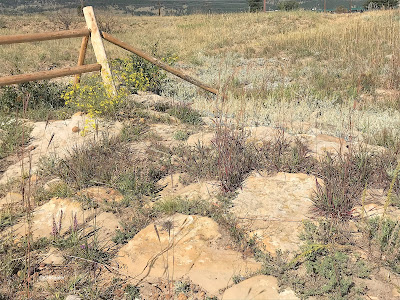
(173, 7)
(283, 186)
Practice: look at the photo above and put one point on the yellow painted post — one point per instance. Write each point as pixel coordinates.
(99, 50)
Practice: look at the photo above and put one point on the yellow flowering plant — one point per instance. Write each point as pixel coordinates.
(136, 74)
(94, 98)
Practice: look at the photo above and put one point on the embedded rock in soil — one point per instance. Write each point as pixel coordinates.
(53, 257)
(374, 205)
(103, 228)
(99, 194)
(166, 133)
(264, 133)
(273, 207)
(321, 144)
(183, 245)
(62, 211)
(260, 287)
(11, 199)
(202, 138)
(173, 187)
(57, 138)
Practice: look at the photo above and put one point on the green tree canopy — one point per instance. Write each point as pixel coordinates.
(255, 5)
(381, 3)
(288, 5)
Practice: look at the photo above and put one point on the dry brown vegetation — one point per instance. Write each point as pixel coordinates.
(302, 74)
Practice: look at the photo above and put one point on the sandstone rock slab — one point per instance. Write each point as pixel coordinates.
(173, 187)
(260, 287)
(183, 245)
(47, 218)
(273, 207)
(57, 138)
(100, 194)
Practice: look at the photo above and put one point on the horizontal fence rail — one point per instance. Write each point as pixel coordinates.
(44, 36)
(49, 74)
(158, 63)
(96, 37)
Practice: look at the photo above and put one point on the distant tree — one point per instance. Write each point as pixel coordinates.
(371, 4)
(288, 5)
(341, 9)
(79, 8)
(255, 5)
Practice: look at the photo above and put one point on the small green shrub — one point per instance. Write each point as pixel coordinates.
(137, 183)
(386, 233)
(137, 74)
(183, 206)
(133, 132)
(132, 292)
(42, 95)
(11, 133)
(61, 190)
(97, 162)
(181, 135)
(185, 114)
(344, 180)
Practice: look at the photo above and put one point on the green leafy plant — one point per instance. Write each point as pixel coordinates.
(42, 94)
(137, 74)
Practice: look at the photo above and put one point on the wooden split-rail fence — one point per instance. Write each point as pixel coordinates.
(96, 37)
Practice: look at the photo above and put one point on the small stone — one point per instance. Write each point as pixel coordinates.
(75, 129)
(34, 178)
(54, 257)
(182, 296)
(72, 297)
(78, 114)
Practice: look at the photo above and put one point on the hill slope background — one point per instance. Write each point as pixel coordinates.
(173, 7)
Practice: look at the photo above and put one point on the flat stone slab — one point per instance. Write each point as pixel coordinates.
(260, 287)
(273, 207)
(183, 246)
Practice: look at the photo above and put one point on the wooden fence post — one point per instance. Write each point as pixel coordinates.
(81, 58)
(99, 50)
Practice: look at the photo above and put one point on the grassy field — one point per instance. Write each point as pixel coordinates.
(309, 63)
(300, 72)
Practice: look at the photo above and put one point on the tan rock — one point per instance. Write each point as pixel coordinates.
(102, 194)
(78, 114)
(321, 144)
(263, 133)
(56, 209)
(273, 207)
(11, 199)
(260, 287)
(75, 129)
(204, 138)
(52, 183)
(182, 296)
(103, 226)
(57, 138)
(54, 257)
(374, 203)
(205, 190)
(183, 246)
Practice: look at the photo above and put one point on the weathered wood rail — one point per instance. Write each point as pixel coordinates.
(102, 65)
